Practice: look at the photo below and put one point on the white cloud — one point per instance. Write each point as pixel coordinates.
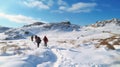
(79, 7)
(48, 2)
(61, 2)
(42, 4)
(18, 18)
(57, 11)
(61, 6)
(82, 7)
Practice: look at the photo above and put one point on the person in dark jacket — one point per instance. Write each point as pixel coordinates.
(45, 39)
(32, 38)
(36, 37)
(38, 40)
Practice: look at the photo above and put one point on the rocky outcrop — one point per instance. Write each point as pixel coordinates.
(34, 24)
(105, 22)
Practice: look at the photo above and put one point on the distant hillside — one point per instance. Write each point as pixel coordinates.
(62, 26)
(3, 29)
(38, 27)
(113, 21)
(107, 26)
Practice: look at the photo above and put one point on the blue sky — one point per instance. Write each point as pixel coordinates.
(16, 13)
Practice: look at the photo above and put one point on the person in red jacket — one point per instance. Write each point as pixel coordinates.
(45, 39)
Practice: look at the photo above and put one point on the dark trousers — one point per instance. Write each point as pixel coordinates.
(38, 44)
(45, 43)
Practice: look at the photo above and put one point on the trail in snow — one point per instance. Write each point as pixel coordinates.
(61, 56)
(31, 57)
(85, 57)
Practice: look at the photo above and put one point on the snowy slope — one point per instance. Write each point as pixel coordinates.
(32, 29)
(113, 21)
(60, 54)
(65, 49)
(3, 29)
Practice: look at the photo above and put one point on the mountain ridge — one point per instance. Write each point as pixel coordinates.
(66, 26)
(3, 29)
(39, 27)
(105, 22)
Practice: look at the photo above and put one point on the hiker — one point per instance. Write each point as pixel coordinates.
(32, 38)
(45, 39)
(38, 40)
(36, 37)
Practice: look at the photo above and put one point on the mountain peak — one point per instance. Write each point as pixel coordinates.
(114, 21)
(34, 24)
(66, 22)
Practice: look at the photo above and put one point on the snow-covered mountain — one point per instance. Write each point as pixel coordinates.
(113, 21)
(89, 46)
(3, 29)
(38, 27)
(103, 33)
(62, 26)
(66, 26)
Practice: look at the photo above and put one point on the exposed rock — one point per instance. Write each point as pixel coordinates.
(105, 22)
(34, 24)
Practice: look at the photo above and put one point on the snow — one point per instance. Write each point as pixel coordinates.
(59, 54)
(65, 49)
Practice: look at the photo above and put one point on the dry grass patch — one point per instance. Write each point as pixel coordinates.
(110, 39)
(3, 42)
(61, 41)
(6, 47)
(73, 42)
(109, 46)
